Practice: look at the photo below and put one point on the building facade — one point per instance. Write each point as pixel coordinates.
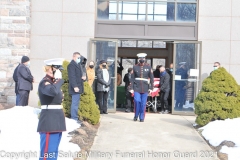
(43, 29)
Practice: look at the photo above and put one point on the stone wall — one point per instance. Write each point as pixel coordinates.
(14, 43)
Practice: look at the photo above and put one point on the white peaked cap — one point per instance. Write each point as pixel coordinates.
(55, 61)
(182, 63)
(141, 55)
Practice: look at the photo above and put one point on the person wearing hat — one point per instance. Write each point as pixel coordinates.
(24, 81)
(141, 86)
(103, 83)
(51, 122)
(76, 78)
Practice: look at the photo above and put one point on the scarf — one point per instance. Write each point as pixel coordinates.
(106, 79)
(162, 73)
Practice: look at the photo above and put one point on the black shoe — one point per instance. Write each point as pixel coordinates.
(135, 119)
(79, 121)
(127, 110)
(166, 112)
(73, 132)
(105, 112)
(162, 112)
(142, 120)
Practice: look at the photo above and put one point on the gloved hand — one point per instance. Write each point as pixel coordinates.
(106, 85)
(58, 74)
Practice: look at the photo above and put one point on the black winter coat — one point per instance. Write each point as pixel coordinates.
(25, 78)
(165, 82)
(15, 78)
(75, 78)
(100, 80)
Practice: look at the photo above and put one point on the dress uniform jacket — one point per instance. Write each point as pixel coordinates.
(145, 73)
(51, 120)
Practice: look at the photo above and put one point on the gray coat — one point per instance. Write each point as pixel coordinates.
(25, 78)
(75, 78)
(100, 80)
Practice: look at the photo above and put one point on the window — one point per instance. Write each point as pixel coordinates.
(141, 44)
(147, 10)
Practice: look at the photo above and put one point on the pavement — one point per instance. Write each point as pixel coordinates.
(160, 136)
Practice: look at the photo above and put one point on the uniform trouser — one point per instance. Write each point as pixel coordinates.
(102, 101)
(75, 106)
(140, 100)
(164, 100)
(23, 98)
(180, 98)
(49, 143)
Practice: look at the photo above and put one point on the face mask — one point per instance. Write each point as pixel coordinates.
(104, 65)
(215, 68)
(141, 60)
(78, 60)
(91, 66)
(171, 69)
(28, 64)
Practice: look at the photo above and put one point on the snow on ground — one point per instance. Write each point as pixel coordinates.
(19, 136)
(218, 131)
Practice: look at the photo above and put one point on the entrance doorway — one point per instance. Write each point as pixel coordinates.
(185, 56)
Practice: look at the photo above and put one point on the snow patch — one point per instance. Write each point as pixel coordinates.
(18, 134)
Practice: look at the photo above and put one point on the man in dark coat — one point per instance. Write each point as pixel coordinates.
(24, 82)
(164, 89)
(76, 78)
(16, 80)
(129, 98)
(141, 85)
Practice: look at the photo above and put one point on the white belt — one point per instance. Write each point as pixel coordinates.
(51, 107)
(142, 79)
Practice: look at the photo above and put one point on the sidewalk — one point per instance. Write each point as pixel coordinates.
(159, 137)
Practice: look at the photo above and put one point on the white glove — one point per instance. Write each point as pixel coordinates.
(58, 74)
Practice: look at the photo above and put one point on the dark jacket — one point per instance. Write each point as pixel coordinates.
(51, 120)
(164, 82)
(171, 77)
(100, 80)
(15, 78)
(126, 79)
(25, 78)
(156, 73)
(141, 71)
(75, 78)
(83, 65)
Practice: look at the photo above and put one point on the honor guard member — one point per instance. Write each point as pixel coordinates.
(141, 85)
(52, 120)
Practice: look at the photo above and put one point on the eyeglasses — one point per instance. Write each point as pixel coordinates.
(215, 66)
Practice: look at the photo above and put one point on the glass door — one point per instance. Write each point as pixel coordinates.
(186, 76)
(106, 49)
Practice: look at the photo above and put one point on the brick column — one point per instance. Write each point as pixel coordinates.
(14, 43)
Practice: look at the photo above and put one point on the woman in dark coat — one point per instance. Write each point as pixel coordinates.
(103, 83)
(52, 120)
